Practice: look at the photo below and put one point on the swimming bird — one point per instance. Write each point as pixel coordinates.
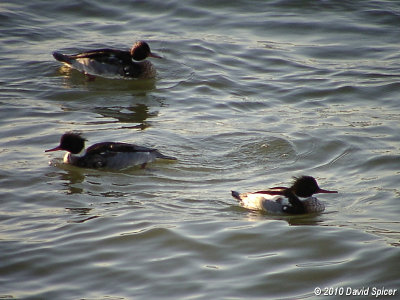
(112, 62)
(285, 200)
(109, 155)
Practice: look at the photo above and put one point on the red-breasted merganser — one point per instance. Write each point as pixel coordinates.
(107, 155)
(284, 200)
(112, 62)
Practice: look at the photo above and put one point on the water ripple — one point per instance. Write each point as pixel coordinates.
(247, 96)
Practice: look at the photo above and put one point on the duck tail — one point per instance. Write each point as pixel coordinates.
(62, 57)
(236, 195)
(162, 156)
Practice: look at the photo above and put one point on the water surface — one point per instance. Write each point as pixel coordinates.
(248, 95)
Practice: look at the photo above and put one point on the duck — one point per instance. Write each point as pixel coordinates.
(286, 200)
(113, 63)
(108, 155)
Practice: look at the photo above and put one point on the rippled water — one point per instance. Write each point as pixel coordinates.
(248, 94)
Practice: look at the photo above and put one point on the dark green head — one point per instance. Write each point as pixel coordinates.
(306, 186)
(70, 141)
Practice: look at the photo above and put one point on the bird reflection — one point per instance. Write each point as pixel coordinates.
(70, 178)
(138, 113)
(309, 219)
(80, 212)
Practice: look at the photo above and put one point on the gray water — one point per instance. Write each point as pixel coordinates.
(249, 94)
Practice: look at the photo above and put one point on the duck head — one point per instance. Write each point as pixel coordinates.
(306, 186)
(71, 141)
(141, 50)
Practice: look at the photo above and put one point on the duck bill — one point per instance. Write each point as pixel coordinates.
(54, 149)
(154, 55)
(322, 191)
